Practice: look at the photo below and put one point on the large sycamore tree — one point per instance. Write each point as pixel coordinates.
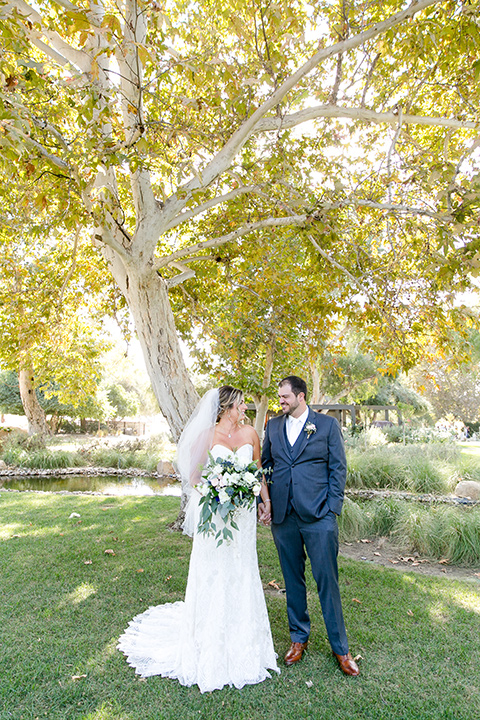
(185, 127)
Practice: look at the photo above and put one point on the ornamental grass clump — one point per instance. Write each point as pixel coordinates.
(377, 469)
(384, 517)
(426, 476)
(451, 533)
(46, 459)
(352, 523)
(141, 454)
(411, 469)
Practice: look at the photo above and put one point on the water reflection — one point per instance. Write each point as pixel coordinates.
(103, 484)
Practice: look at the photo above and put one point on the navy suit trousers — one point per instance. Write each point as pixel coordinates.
(319, 539)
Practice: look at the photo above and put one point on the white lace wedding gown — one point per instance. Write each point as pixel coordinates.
(220, 635)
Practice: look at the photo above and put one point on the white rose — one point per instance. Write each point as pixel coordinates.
(223, 496)
(256, 489)
(214, 479)
(217, 469)
(250, 478)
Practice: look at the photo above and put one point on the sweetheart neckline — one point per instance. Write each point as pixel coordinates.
(231, 449)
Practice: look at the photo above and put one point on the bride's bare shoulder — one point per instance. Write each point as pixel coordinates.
(250, 433)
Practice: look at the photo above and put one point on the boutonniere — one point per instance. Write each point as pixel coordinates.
(309, 428)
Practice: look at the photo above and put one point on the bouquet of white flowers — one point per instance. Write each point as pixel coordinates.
(226, 486)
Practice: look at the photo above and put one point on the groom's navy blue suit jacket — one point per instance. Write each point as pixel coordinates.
(311, 474)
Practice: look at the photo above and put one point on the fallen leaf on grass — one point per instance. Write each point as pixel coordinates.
(357, 601)
(73, 515)
(409, 612)
(87, 562)
(407, 559)
(365, 541)
(109, 552)
(140, 570)
(169, 577)
(309, 683)
(477, 575)
(394, 562)
(78, 677)
(357, 658)
(444, 561)
(273, 584)
(377, 554)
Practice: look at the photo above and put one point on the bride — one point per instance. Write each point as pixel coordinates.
(220, 635)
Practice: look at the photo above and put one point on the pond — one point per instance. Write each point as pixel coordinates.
(101, 484)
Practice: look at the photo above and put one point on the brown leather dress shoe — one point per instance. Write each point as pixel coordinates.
(295, 652)
(347, 664)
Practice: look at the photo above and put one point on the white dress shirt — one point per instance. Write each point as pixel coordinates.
(295, 425)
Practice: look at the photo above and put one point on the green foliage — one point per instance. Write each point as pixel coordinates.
(125, 403)
(96, 407)
(175, 132)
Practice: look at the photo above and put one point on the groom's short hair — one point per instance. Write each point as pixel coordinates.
(297, 384)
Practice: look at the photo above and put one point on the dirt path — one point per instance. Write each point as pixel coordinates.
(382, 552)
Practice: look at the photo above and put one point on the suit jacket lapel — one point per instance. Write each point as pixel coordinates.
(283, 436)
(303, 439)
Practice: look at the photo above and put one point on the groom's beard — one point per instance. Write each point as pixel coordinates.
(290, 408)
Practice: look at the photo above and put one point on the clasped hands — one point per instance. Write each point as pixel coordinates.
(264, 512)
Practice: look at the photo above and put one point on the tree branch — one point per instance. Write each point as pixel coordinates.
(344, 270)
(335, 111)
(184, 274)
(59, 50)
(225, 156)
(10, 128)
(209, 204)
(234, 235)
(387, 207)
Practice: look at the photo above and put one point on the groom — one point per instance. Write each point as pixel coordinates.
(305, 454)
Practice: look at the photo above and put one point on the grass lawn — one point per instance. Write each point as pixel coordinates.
(470, 449)
(64, 603)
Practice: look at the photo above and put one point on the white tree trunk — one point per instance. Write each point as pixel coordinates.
(261, 407)
(316, 394)
(146, 294)
(37, 422)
